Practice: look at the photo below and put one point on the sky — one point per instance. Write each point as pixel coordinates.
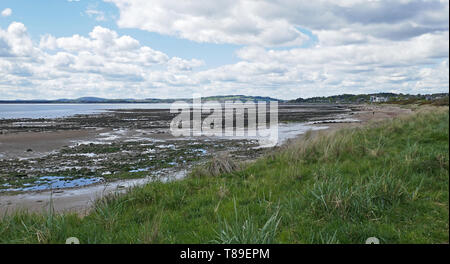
(172, 49)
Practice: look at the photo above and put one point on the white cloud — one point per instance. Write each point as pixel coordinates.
(362, 47)
(93, 12)
(278, 23)
(353, 68)
(98, 15)
(209, 21)
(15, 41)
(6, 12)
(416, 51)
(107, 64)
(102, 63)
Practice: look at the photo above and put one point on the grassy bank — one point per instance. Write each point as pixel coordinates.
(388, 180)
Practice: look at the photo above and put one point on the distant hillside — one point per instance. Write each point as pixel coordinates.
(220, 98)
(93, 100)
(244, 98)
(365, 98)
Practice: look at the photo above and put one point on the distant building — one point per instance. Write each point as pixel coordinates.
(378, 99)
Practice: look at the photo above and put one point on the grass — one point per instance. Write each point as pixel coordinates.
(388, 180)
(219, 164)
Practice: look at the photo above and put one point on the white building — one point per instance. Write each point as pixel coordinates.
(378, 99)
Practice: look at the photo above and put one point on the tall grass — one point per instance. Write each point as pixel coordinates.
(219, 164)
(246, 230)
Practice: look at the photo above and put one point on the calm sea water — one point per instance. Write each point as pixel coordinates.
(63, 110)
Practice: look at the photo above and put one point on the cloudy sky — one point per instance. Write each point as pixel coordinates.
(171, 48)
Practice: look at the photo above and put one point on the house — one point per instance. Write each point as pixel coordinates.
(378, 99)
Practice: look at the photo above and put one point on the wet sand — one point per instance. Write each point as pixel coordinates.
(36, 144)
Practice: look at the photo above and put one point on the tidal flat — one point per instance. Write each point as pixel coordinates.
(58, 154)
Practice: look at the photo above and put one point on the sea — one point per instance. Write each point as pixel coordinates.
(35, 111)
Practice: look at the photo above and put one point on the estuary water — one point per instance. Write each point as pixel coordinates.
(35, 111)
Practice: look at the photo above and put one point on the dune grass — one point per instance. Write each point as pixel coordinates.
(388, 180)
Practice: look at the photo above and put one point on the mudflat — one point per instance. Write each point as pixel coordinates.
(34, 144)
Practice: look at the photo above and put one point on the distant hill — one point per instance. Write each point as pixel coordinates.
(220, 98)
(240, 98)
(335, 99)
(91, 99)
(365, 98)
(94, 100)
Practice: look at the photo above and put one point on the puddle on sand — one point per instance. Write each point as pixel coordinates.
(140, 170)
(202, 151)
(168, 146)
(55, 182)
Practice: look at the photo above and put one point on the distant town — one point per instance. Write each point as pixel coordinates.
(378, 98)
